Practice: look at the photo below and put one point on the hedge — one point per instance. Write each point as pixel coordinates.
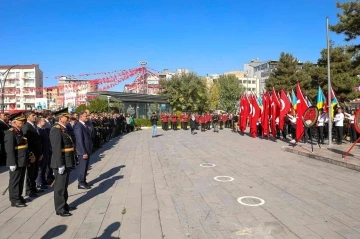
(145, 122)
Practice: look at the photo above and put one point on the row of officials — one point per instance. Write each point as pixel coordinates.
(41, 152)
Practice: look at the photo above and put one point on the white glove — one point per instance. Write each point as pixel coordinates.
(62, 169)
(13, 168)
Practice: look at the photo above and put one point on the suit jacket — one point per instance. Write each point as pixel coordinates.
(33, 138)
(45, 142)
(3, 128)
(83, 139)
(90, 124)
(61, 142)
(16, 148)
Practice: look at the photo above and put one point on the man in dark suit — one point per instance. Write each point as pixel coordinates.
(45, 142)
(61, 163)
(4, 125)
(83, 148)
(32, 134)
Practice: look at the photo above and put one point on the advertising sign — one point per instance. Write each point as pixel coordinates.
(41, 103)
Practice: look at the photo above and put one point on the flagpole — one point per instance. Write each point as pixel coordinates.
(329, 82)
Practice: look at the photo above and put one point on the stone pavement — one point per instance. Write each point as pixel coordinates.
(331, 154)
(154, 188)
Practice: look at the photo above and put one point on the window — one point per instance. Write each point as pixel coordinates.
(240, 81)
(18, 106)
(253, 82)
(29, 74)
(253, 89)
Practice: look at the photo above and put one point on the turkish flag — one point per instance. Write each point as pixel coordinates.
(255, 115)
(285, 107)
(300, 110)
(244, 108)
(265, 123)
(274, 110)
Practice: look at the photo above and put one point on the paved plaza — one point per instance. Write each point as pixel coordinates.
(154, 188)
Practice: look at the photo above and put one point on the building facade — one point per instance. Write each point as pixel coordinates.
(72, 92)
(23, 87)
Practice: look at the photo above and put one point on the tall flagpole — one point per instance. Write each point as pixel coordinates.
(329, 81)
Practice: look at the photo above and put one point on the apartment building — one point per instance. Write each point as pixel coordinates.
(23, 85)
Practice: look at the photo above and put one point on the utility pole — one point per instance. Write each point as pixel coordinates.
(3, 77)
(329, 80)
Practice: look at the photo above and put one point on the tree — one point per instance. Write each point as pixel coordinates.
(349, 24)
(186, 92)
(214, 96)
(286, 74)
(98, 105)
(229, 92)
(343, 74)
(117, 106)
(81, 108)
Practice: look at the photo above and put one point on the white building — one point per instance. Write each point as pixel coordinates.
(23, 86)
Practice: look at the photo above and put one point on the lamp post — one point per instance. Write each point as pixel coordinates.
(3, 77)
(108, 98)
(143, 65)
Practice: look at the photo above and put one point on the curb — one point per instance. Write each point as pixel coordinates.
(341, 163)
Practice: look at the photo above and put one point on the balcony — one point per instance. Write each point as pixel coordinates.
(30, 100)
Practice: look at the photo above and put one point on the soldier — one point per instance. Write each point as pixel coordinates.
(174, 121)
(186, 120)
(17, 159)
(4, 125)
(61, 162)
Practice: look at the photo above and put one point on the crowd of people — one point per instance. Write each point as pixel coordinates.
(214, 121)
(42, 148)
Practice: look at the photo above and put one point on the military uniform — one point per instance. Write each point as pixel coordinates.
(63, 154)
(17, 155)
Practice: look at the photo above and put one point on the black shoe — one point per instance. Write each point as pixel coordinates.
(37, 190)
(22, 200)
(41, 187)
(64, 214)
(83, 186)
(18, 204)
(68, 208)
(89, 184)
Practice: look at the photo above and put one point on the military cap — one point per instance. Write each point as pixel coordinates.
(17, 116)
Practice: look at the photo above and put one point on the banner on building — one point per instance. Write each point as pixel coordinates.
(41, 104)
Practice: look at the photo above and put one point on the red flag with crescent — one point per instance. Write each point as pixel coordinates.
(285, 106)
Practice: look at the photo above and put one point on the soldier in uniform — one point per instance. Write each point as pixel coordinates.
(61, 162)
(17, 159)
(4, 120)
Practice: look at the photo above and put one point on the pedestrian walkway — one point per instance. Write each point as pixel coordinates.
(173, 186)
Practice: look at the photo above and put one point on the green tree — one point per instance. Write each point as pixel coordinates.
(98, 105)
(186, 92)
(286, 74)
(117, 106)
(81, 108)
(343, 74)
(214, 96)
(229, 92)
(349, 21)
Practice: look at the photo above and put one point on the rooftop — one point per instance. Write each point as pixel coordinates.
(31, 66)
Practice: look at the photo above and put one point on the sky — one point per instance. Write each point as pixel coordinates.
(206, 36)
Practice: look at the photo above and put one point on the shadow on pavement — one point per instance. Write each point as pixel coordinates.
(55, 232)
(103, 187)
(3, 169)
(159, 135)
(109, 230)
(107, 174)
(341, 152)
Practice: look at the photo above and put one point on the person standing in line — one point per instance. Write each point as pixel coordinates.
(292, 118)
(153, 120)
(215, 120)
(353, 133)
(45, 142)
(61, 162)
(16, 148)
(322, 119)
(235, 120)
(339, 124)
(83, 148)
(186, 120)
(174, 121)
(4, 125)
(192, 123)
(197, 120)
(31, 132)
(203, 122)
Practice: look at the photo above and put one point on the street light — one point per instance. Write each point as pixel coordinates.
(3, 78)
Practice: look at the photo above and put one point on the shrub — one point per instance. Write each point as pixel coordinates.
(145, 122)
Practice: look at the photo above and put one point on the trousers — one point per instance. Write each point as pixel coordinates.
(16, 184)
(61, 190)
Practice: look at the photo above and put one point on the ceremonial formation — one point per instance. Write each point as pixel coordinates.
(41, 149)
(273, 114)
